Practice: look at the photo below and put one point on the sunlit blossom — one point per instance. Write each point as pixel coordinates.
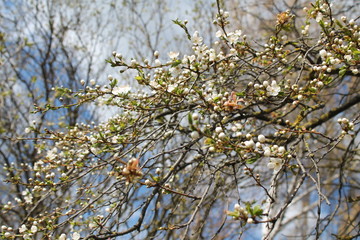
(273, 89)
(62, 236)
(121, 90)
(23, 228)
(196, 39)
(27, 196)
(34, 229)
(173, 55)
(275, 164)
(76, 236)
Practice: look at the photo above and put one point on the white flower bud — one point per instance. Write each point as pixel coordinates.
(34, 229)
(250, 220)
(281, 150)
(267, 152)
(62, 236)
(249, 144)
(218, 130)
(147, 182)
(261, 138)
(222, 135)
(7, 234)
(194, 135)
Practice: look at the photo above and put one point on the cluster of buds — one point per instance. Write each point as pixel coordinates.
(239, 213)
(247, 215)
(222, 18)
(346, 125)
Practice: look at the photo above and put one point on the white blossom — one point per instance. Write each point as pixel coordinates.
(196, 39)
(51, 154)
(212, 55)
(23, 228)
(275, 163)
(154, 84)
(319, 17)
(27, 196)
(75, 236)
(173, 55)
(34, 229)
(347, 57)
(233, 38)
(121, 89)
(273, 89)
(171, 87)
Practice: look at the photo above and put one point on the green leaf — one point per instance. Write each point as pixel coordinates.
(176, 63)
(322, 24)
(241, 94)
(313, 90)
(342, 72)
(190, 119)
(339, 23)
(252, 160)
(233, 214)
(257, 211)
(209, 141)
(155, 178)
(248, 208)
(216, 99)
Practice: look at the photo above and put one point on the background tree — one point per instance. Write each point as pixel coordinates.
(263, 132)
(46, 44)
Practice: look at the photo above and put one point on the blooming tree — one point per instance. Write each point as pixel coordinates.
(46, 44)
(228, 139)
